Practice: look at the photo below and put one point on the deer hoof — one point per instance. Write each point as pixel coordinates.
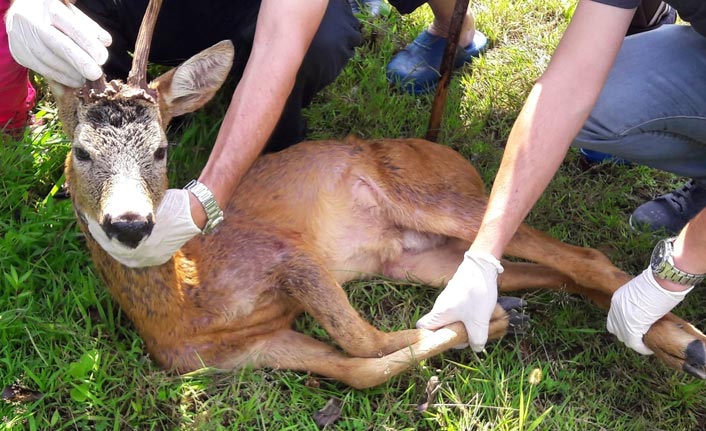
(518, 322)
(511, 303)
(695, 359)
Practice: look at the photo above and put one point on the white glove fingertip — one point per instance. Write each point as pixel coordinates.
(91, 71)
(635, 343)
(101, 34)
(429, 322)
(642, 349)
(83, 34)
(478, 348)
(477, 336)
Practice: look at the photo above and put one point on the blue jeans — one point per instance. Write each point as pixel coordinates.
(652, 110)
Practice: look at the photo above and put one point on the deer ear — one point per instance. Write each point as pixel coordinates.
(190, 85)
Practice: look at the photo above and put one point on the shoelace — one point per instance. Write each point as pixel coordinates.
(682, 198)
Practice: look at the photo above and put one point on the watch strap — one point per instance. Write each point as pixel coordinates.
(214, 214)
(667, 270)
(672, 273)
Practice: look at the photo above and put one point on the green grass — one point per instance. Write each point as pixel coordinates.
(62, 335)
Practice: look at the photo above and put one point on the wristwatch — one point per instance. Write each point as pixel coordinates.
(208, 201)
(662, 264)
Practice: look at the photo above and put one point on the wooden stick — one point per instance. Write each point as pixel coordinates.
(447, 66)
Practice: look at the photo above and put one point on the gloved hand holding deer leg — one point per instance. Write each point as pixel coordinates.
(676, 266)
(469, 297)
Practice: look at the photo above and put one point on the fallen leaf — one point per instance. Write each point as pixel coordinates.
(311, 382)
(17, 394)
(329, 414)
(432, 387)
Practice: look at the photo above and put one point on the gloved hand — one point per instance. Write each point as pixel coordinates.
(172, 229)
(57, 41)
(470, 297)
(636, 306)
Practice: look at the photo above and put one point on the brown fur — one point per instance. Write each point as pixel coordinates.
(303, 222)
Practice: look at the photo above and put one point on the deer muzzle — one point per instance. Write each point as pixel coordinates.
(129, 228)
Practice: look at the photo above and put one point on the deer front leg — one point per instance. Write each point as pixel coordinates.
(291, 350)
(288, 349)
(323, 298)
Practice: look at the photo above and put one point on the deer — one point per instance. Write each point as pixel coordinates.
(302, 223)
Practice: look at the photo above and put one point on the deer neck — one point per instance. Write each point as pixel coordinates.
(150, 296)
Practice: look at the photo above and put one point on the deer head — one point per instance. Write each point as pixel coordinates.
(116, 169)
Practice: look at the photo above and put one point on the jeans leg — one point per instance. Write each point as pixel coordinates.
(652, 110)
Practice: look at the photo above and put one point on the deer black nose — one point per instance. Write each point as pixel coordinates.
(128, 228)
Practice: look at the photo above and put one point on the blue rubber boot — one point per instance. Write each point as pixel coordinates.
(416, 68)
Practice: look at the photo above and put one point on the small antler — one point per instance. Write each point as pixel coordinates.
(137, 77)
(91, 87)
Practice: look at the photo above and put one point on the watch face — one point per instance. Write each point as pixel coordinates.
(658, 255)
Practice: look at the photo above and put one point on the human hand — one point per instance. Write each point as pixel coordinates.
(56, 40)
(638, 304)
(172, 229)
(470, 297)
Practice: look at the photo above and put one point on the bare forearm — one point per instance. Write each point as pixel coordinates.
(554, 112)
(533, 153)
(284, 32)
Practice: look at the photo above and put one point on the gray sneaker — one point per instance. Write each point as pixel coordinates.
(671, 211)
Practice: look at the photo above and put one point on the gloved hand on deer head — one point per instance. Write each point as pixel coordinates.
(57, 40)
(470, 297)
(173, 227)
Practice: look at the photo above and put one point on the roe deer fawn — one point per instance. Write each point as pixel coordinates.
(303, 222)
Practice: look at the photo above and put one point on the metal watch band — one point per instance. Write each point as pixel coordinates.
(667, 271)
(208, 201)
(676, 275)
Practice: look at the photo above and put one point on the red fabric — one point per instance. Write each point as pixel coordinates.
(16, 92)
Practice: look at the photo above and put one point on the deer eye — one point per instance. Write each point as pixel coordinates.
(81, 154)
(160, 153)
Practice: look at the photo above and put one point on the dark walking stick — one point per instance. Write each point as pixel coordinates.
(447, 63)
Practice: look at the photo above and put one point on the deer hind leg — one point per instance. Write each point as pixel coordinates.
(449, 200)
(435, 266)
(525, 276)
(676, 342)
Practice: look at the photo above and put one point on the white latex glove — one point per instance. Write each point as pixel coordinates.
(172, 229)
(470, 297)
(636, 306)
(57, 41)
